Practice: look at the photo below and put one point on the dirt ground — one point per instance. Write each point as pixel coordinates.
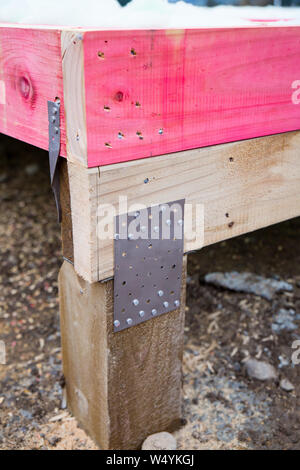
(222, 407)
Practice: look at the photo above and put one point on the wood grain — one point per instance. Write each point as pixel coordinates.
(65, 202)
(120, 386)
(243, 186)
(155, 92)
(74, 94)
(84, 199)
(30, 75)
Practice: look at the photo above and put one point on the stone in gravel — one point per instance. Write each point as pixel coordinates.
(3, 177)
(260, 370)
(54, 440)
(286, 385)
(160, 441)
(249, 283)
(284, 320)
(26, 414)
(32, 169)
(283, 362)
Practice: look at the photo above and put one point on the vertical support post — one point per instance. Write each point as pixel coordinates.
(120, 386)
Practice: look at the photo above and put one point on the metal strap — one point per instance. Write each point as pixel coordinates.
(54, 150)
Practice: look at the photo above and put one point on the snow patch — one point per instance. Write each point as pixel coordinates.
(141, 14)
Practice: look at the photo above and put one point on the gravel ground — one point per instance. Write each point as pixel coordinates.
(223, 408)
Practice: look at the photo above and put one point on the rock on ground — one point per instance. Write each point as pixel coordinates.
(286, 385)
(285, 320)
(160, 441)
(249, 283)
(260, 370)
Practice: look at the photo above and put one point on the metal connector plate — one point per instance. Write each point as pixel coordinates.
(54, 149)
(148, 253)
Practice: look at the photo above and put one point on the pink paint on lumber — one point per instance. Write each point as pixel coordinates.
(155, 92)
(30, 75)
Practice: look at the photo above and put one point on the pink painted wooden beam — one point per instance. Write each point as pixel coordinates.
(155, 92)
(152, 92)
(30, 75)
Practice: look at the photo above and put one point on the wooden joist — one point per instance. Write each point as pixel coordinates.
(136, 94)
(243, 186)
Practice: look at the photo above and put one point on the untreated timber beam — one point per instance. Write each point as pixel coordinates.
(241, 187)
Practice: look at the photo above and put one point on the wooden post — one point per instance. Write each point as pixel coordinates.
(120, 386)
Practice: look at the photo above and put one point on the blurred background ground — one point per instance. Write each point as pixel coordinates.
(222, 408)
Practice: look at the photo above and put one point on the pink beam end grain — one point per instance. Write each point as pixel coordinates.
(155, 92)
(30, 75)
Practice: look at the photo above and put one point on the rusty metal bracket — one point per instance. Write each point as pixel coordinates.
(148, 253)
(54, 150)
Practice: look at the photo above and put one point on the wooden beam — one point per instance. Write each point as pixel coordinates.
(136, 94)
(243, 186)
(74, 94)
(30, 75)
(155, 92)
(120, 386)
(65, 202)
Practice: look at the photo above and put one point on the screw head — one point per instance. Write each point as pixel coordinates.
(176, 303)
(130, 236)
(154, 311)
(143, 228)
(160, 293)
(135, 302)
(117, 236)
(168, 222)
(161, 131)
(166, 304)
(129, 321)
(156, 229)
(141, 313)
(180, 222)
(117, 323)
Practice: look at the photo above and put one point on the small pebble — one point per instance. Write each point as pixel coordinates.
(286, 385)
(260, 370)
(160, 441)
(3, 177)
(32, 169)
